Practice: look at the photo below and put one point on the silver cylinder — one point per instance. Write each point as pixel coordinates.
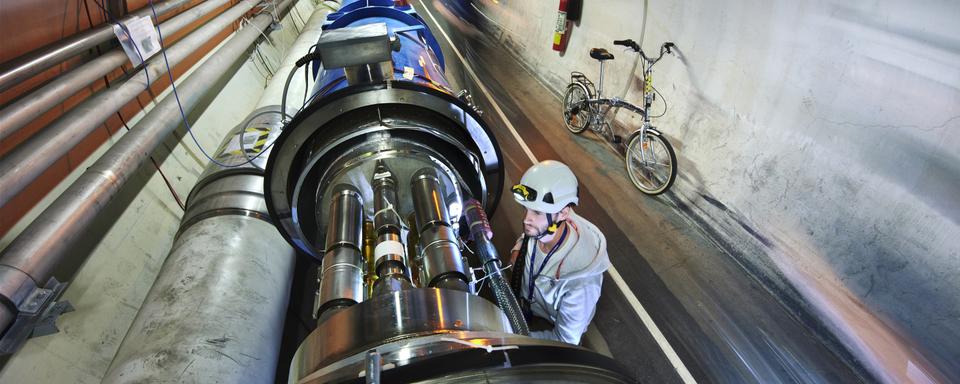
(428, 201)
(221, 295)
(28, 107)
(341, 281)
(440, 258)
(346, 218)
(341, 271)
(385, 195)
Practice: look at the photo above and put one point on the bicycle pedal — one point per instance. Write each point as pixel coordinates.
(617, 139)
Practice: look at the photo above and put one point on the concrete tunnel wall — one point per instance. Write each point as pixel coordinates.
(819, 141)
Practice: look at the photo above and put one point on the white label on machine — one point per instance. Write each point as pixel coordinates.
(388, 247)
(140, 39)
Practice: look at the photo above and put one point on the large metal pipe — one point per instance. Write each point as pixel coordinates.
(31, 256)
(30, 159)
(34, 62)
(442, 263)
(26, 108)
(341, 271)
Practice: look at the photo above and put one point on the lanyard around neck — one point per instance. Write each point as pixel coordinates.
(533, 261)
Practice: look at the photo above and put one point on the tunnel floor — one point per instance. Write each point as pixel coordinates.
(722, 324)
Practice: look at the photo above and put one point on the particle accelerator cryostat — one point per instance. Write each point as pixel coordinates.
(384, 177)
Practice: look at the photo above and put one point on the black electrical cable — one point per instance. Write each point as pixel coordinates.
(306, 59)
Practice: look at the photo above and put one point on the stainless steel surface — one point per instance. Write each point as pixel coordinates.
(346, 218)
(440, 254)
(354, 46)
(230, 194)
(392, 281)
(216, 311)
(398, 316)
(341, 271)
(15, 71)
(51, 235)
(320, 148)
(385, 215)
(27, 161)
(403, 352)
(26, 108)
(373, 367)
(341, 280)
(428, 202)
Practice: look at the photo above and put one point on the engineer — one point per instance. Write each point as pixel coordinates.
(561, 255)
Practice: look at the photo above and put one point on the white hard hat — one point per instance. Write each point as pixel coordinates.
(547, 186)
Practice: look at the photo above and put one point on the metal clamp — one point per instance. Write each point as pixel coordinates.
(37, 316)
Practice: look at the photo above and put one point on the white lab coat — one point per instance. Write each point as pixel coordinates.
(567, 290)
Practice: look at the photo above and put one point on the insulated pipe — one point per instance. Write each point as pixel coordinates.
(481, 233)
(28, 160)
(32, 255)
(341, 271)
(34, 62)
(440, 258)
(22, 111)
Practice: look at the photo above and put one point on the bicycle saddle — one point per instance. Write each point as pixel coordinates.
(601, 54)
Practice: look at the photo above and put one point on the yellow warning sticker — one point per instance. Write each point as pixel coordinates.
(408, 73)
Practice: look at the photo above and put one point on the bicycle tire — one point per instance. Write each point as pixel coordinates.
(635, 165)
(575, 94)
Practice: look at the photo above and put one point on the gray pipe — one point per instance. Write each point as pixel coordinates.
(31, 158)
(34, 62)
(216, 311)
(48, 239)
(215, 314)
(22, 111)
(341, 270)
(440, 258)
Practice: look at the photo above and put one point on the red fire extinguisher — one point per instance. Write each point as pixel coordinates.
(568, 13)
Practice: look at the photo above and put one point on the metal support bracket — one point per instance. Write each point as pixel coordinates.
(37, 316)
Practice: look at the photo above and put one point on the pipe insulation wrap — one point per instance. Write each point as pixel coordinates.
(31, 158)
(49, 238)
(22, 111)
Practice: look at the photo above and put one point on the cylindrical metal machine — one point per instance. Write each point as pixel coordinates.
(385, 140)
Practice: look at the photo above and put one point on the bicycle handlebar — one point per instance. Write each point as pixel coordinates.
(666, 47)
(628, 43)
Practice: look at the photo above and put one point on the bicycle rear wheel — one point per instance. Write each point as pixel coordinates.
(576, 115)
(651, 162)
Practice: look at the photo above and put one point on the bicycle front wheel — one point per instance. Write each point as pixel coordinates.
(651, 163)
(575, 112)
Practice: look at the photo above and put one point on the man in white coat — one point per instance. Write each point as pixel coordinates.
(560, 258)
